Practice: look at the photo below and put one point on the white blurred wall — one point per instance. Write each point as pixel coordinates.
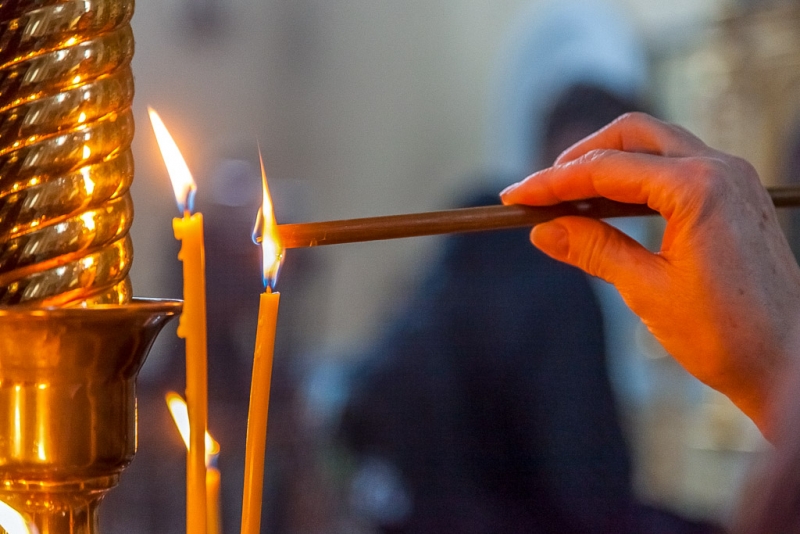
(372, 107)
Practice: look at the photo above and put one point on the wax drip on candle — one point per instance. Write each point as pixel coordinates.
(265, 233)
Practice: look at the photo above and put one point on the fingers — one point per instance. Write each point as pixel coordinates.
(600, 250)
(659, 182)
(638, 132)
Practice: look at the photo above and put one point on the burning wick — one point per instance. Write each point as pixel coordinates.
(189, 231)
(180, 414)
(265, 233)
(272, 257)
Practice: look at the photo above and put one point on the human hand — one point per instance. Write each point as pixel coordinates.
(723, 293)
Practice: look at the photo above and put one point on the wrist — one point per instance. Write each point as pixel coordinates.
(767, 400)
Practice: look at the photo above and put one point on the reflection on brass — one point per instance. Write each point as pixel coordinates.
(67, 406)
(65, 162)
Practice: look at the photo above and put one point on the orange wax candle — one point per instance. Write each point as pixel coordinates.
(272, 257)
(214, 515)
(192, 327)
(259, 410)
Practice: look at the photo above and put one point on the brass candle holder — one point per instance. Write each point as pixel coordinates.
(73, 342)
(68, 406)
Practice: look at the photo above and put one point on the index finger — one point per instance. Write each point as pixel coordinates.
(635, 178)
(638, 132)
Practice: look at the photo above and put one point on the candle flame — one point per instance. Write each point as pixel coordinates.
(182, 182)
(180, 414)
(14, 522)
(266, 229)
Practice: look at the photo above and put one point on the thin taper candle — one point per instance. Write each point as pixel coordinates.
(192, 327)
(189, 231)
(255, 448)
(214, 515)
(259, 411)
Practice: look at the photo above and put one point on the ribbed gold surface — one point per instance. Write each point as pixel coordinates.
(66, 91)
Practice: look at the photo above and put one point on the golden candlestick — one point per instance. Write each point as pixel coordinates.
(66, 127)
(68, 406)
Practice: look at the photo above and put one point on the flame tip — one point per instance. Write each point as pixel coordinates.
(266, 228)
(183, 184)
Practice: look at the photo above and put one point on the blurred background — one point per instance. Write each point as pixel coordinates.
(367, 108)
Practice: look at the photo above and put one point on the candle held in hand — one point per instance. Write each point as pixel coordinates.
(477, 219)
(189, 231)
(272, 254)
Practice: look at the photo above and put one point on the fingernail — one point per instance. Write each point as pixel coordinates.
(552, 239)
(509, 189)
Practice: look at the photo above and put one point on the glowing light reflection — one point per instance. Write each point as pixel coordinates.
(88, 183)
(42, 416)
(88, 220)
(19, 402)
(14, 522)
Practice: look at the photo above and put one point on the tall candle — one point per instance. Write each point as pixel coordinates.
(259, 411)
(189, 231)
(255, 448)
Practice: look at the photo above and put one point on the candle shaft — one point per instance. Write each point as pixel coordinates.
(192, 327)
(214, 515)
(259, 410)
(470, 220)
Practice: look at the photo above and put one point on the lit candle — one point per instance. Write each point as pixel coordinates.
(272, 257)
(192, 327)
(13, 522)
(177, 406)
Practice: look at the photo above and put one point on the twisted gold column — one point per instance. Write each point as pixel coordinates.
(66, 127)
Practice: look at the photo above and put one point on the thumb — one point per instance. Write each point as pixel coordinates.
(596, 248)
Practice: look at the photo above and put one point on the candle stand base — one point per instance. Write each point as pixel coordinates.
(68, 406)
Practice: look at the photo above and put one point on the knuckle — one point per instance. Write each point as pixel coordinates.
(593, 156)
(707, 175)
(742, 169)
(634, 118)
